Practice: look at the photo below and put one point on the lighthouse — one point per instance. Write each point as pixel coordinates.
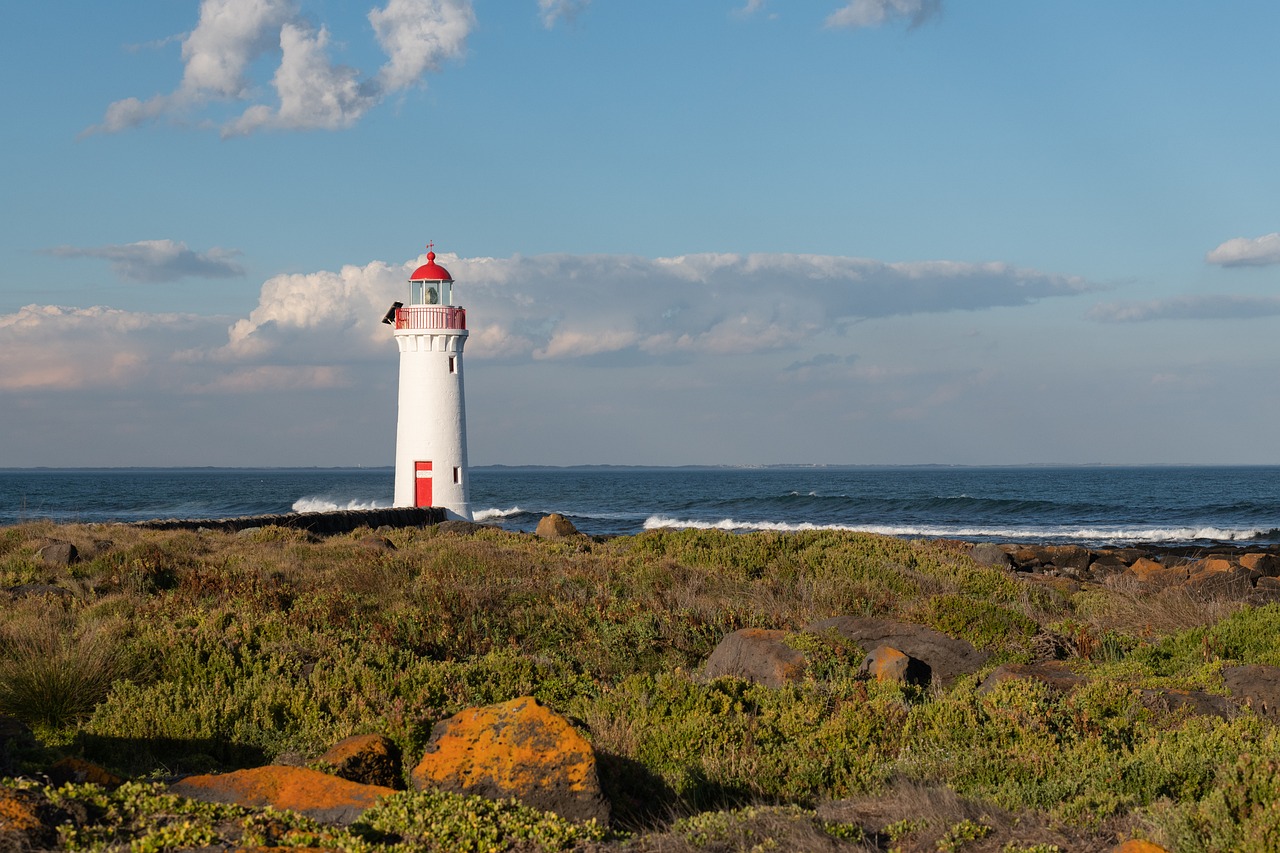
(431, 427)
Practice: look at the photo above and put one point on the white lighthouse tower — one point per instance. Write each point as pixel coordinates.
(431, 430)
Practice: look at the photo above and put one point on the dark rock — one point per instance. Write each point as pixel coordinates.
(367, 759)
(1052, 674)
(1255, 685)
(58, 553)
(989, 554)
(457, 527)
(756, 654)
(31, 590)
(885, 663)
(518, 749)
(1191, 701)
(947, 657)
(373, 542)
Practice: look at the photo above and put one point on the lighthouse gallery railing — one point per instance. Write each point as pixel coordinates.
(431, 317)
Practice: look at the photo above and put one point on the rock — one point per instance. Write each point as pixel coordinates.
(1193, 701)
(317, 795)
(989, 554)
(556, 526)
(374, 542)
(946, 657)
(58, 553)
(1138, 845)
(1052, 674)
(518, 749)
(1106, 564)
(758, 655)
(458, 527)
(885, 663)
(79, 771)
(1152, 574)
(1220, 576)
(22, 821)
(1266, 565)
(1255, 685)
(367, 759)
(31, 590)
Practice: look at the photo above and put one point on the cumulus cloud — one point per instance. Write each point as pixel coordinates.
(557, 10)
(1247, 252)
(50, 347)
(552, 307)
(312, 91)
(312, 330)
(158, 260)
(872, 13)
(1187, 308)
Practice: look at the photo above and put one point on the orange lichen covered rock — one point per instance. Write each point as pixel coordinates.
(310, 792)
(1138, 845)
(18, 812)
(885, 663)
(367, 759)
(78, 770)
(1152, 573)
(518, 749)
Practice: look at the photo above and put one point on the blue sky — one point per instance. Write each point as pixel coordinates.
(849, 231)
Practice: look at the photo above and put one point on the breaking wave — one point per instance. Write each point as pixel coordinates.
(326, 504)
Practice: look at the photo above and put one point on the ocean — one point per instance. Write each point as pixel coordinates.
(1094, 506)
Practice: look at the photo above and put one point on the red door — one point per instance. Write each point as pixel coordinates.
(422, 483)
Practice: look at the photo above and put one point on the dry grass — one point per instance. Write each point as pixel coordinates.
(1128, 607)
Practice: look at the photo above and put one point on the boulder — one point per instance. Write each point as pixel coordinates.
(885, 663)
(1196, 702)
(556, 526)
(756, 654)
(317, 795)
(367, 759)
(1219, 576)
(58, 553)
(1266, 565)
(1052, 674)
(1255, 685)
(458, 527)
(1138, 845)
(518, 749)
(79, 771)
(946, 657)
(374, 542)
(990, 554)
(1153, 574)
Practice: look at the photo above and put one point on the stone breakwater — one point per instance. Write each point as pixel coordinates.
(340, 521)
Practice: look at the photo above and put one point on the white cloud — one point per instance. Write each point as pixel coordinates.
(1247, 252)
(1220, 307)
(873, 13)
(417, 35)
(557, 10)
(158, 260)
(312, 92)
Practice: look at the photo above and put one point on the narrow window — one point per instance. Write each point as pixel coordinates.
(453, 364)
(457, 474)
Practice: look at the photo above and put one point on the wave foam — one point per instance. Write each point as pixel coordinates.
(1088, 534)
(324, 504)
(486, 514)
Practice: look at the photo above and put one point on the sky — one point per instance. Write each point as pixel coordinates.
(723, 232)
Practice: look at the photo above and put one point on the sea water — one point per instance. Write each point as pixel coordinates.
(1087, 505)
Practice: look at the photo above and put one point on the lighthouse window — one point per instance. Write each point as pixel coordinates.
(457, 474)
(453, 367)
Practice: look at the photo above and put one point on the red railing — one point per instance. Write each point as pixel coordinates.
(431, 317)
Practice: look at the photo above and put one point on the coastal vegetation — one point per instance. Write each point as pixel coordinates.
(164, 653)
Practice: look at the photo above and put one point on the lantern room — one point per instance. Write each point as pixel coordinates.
(431, 284)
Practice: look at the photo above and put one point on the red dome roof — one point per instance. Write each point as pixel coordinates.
(431, 271)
